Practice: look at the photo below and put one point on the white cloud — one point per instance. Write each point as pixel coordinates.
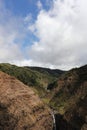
(28, 62)
(28, 18)
(62, 34)
(39, 4)
(11, 34)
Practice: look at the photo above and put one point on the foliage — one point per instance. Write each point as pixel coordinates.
(37, 78)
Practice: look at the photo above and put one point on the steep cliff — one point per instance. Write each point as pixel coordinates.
(20, 107)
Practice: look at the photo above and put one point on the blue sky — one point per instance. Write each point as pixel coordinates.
(47, 33)
(24, 7)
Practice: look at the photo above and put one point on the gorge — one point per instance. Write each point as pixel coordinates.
(44, 99)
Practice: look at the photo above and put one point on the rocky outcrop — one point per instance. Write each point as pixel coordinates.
(20, 107)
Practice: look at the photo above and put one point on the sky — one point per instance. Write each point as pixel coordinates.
(45, 33)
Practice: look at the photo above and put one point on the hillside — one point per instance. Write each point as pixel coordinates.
(38, 78)
(65, 92)
(20, 107)
(52, 72)
(70, 98)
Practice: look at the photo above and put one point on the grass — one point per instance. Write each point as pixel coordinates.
(29, 76)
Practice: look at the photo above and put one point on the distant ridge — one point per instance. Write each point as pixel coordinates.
(64, 91)
(53, 72)
(38, 78)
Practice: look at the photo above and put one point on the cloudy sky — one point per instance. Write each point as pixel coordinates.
(47, 33)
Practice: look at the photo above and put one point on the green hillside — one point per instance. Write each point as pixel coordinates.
(52, 72)
(65, 92)
(70, 97)
(31, 77)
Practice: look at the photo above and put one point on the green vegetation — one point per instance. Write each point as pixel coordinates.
(33, 77)
(70, 98)
(67, 93)
(71, 87)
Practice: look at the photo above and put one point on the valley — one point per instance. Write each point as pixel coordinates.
(62, 92)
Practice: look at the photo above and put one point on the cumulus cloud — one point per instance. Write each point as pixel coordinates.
(62, 35)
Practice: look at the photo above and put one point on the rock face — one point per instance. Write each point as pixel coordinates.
(20, 107)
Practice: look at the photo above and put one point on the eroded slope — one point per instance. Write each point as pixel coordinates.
(20, 107)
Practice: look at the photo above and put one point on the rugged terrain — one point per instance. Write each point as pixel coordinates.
(20, 107)
(70, 98)
(63, 92)
(36, 77)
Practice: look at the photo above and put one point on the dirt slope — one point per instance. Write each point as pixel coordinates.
(20, 107)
